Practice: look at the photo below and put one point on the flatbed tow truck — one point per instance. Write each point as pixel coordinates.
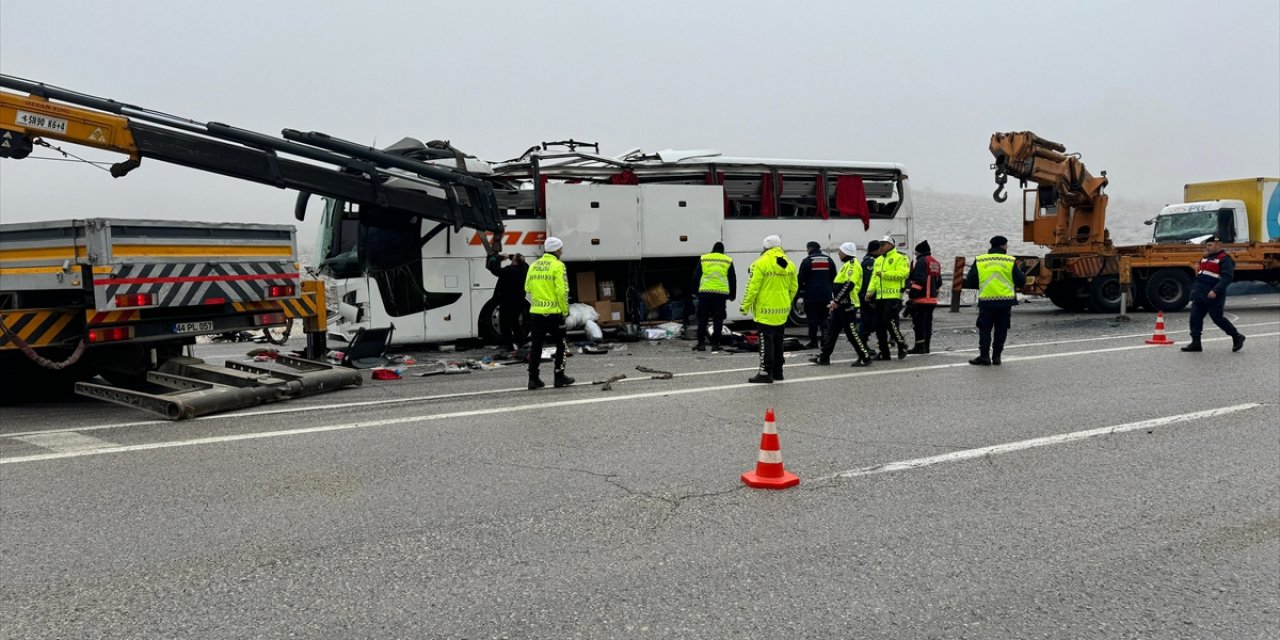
(123, 298)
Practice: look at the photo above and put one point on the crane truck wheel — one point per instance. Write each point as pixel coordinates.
(1065, 294)
(1169, 289)
(1104, 294)
(489, 323)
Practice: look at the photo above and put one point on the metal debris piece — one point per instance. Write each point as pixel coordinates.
(661, 375)
(608, 384)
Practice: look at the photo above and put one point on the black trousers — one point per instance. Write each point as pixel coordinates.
(711, 306)
(771, 348)
(816, 315)
(866, 321)
(1214, 309)
(513, 322)
(922, 320)
(542, 327)
(993, 320)
(842, 320)
(887, 331)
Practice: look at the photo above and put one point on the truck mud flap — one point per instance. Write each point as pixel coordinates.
(201, 389)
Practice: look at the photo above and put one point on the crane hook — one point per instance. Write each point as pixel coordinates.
(999, 194)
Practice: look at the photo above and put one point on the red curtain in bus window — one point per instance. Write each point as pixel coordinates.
(824, 211)
(626, 176)
(851, 199)
(718, 178)
(767, 208)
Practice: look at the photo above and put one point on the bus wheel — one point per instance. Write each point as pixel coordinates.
(1169, 289)
(797, 317)
(489, 324)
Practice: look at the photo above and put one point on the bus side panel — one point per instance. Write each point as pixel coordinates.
(680, 220)
(596, 222)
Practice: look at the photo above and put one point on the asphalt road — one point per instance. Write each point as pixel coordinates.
(1138, 496)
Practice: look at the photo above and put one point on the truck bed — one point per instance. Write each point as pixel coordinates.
(173, 264)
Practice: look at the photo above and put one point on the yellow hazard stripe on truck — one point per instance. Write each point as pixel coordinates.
(39, 327)
(310, 306)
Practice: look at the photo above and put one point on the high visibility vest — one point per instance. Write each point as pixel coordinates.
(932, 275)
(715, 273)
(547, 286)
(888, 275)
(995, 277)
(771, 288)
(850, 271)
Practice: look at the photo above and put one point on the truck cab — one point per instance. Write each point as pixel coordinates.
(1193, 222)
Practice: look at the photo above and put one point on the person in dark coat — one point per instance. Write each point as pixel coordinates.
(1209, 295)
(923, 284)
(513, 306)
(817, 276)
(866, 318)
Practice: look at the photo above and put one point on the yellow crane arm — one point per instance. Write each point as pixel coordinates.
(25, 119)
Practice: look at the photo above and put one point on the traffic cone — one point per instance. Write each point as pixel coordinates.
(769, 473)
(1158, 337)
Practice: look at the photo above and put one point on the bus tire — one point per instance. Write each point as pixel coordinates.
(1169, 289)
(797, 317)
(489, 327)
(1104, 294)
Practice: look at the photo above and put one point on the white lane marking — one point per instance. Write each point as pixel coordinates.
(507, 390)
(969, 454)
(64, 442)
(528, 407)
(1076, 340)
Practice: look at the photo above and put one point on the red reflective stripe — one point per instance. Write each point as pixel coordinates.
(269, 276)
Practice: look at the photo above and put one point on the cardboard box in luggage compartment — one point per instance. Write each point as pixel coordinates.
(606, 291)
(586, 281)
(610, 312)
(654, 297)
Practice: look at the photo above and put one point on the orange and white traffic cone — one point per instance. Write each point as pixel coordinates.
(769, 473)
(1158, 337)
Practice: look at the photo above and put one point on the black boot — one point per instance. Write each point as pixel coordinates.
(777, 373)
(884, 353)
(715, 344)
(902, 350)
(562, 380)
(920, 347)
(1237, 342)
(701, 346)
(1195, 345)
(995, 358)
(761, 378)
(862, 361)
(982, 361)
(535, 382)
(821, 359)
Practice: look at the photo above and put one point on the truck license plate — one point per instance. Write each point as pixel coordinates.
(37, 121)
(193, 327)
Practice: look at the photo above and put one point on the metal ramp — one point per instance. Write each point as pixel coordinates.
(200, 389)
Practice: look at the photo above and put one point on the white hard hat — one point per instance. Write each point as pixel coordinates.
(849, 249)
(552, 244)
(772, 241)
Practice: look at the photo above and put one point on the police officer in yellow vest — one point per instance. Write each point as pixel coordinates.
(996, 276)
(888, 276)
(547, 286)
(844, 308)
(717, 284)
(771, 287)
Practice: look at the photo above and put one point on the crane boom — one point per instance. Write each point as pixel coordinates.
(354, 173)
(1070, 206)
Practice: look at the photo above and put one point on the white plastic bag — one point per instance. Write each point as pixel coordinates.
(579, 315)
(593, 330)
(653, 333)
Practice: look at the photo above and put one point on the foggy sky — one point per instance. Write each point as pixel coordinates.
(1156, 93)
